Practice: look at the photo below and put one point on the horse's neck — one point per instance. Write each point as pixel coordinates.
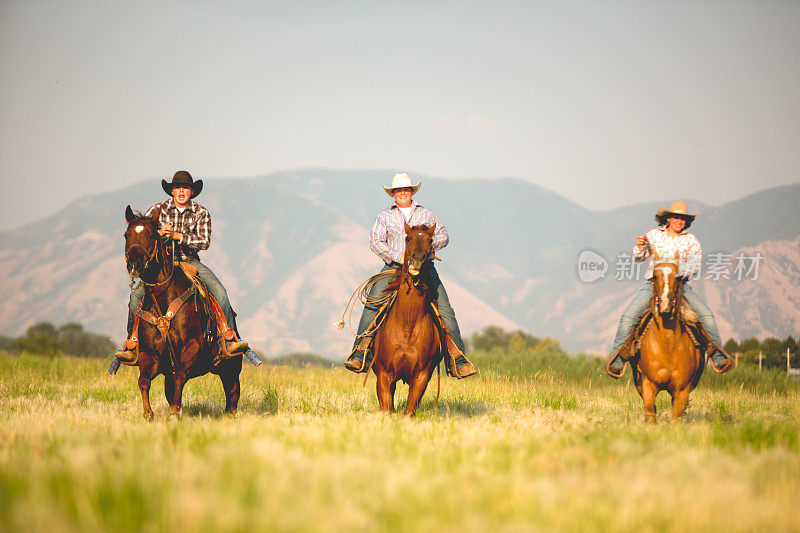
(410, 302)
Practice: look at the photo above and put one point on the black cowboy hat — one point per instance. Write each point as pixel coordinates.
(182, 179)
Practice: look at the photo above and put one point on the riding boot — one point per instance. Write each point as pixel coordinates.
(357, 362)
(127, 354)
(233, 345)
(615, 366)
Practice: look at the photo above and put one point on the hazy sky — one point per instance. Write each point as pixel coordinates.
(607, 103)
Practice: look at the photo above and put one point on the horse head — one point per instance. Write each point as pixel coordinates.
(665, 283)
(141, 241)
(419, 247)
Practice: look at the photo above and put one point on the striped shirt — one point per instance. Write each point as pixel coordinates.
(388, 237)
(194, 225)
(684, 244)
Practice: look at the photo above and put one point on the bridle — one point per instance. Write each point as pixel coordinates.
(152, 255)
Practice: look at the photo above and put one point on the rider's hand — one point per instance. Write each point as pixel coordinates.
(166, 229)
(641, 240)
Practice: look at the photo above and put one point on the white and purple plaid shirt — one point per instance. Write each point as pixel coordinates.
(194, 225)
(388, 237)
(684, 244)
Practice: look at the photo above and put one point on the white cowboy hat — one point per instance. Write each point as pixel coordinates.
(400, 181)
(678, 207)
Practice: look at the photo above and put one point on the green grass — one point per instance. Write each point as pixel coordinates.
(534, 442)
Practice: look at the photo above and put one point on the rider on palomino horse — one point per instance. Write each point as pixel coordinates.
(387, 241)
(668, 239)
(188, 224)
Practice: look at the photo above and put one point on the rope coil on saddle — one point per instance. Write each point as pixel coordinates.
(362, 291)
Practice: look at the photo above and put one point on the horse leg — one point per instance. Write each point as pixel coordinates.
(416, 389)
(385, 390)
(145, 378)
(679, 402)
(648, 393)
(178, 381)
(230, 383)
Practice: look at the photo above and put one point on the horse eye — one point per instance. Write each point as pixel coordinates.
(408, 239)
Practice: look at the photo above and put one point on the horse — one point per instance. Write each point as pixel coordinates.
(407, 347)
(172, 334)
(668, 358)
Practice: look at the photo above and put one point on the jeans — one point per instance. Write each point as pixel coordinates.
(214, 287)
(442, 303)
(640, 303)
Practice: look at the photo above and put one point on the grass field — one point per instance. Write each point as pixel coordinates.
(526, 445)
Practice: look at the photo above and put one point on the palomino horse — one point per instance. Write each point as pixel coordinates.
(177, 345)
(407, 345)
(668, 358)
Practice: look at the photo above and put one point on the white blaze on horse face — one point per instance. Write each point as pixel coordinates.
(138, 229)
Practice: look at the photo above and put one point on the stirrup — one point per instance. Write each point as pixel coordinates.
(356, 364)
(610, 372)
(465, 370)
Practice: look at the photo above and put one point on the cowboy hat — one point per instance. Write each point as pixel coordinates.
(401, 181)
(678, 207)
(182, 179)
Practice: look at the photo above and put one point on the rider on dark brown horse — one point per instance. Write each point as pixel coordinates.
(387, 241)
(188, 224)
(669, 239)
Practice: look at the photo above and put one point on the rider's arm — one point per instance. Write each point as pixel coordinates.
(640, 253)
(379, 240)
(200, 238)
(692, 256)
(440, 236)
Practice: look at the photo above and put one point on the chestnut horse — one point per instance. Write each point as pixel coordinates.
(184, 351)
(668, 358)
(407, 346)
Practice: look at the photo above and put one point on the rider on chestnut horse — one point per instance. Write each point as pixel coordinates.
(387, 241)
(669, 239)
(188, 224)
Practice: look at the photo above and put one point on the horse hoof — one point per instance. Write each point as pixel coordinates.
(233, 413)
(148, 416)
(175, 415)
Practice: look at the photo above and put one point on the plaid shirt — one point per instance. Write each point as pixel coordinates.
(194, 225)
(684, 244)
(388, 237)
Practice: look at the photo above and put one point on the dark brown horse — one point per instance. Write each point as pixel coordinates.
(177, 346)
(407, 346)
(668, 358)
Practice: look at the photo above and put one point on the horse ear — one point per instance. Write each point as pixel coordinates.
(156, 214)
(432, 229)
(128, 214)
(407, 227)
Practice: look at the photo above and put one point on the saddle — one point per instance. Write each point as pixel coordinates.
(448, 346)
(688, 318)
(217, 328)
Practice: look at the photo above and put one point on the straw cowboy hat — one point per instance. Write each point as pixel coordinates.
(401, 181)
(676, 208)
(182, 179)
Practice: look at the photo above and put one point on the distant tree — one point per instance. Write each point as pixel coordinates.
(790, 344)
(750, 344)
(731, 346)
(493, 337)
(7, 343)
(75, 341)
(771, 345)
(41, 338)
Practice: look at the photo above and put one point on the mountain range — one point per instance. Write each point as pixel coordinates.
(292, 246)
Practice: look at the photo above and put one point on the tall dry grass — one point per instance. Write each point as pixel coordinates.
(532, 443)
